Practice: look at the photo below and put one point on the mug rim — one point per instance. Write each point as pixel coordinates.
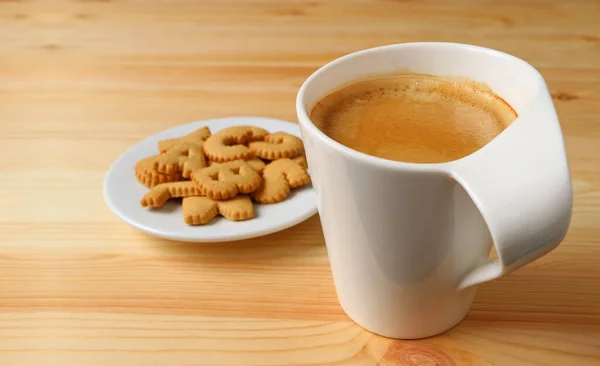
(305, 121)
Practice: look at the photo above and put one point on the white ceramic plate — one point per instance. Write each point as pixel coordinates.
(122, 193)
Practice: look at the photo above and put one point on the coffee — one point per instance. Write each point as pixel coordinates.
(413, 117)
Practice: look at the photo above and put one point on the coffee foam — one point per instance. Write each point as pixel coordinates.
(413, 117)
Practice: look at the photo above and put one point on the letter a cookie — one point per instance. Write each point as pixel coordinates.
(197, 137)
(145, 173)
(184, 158)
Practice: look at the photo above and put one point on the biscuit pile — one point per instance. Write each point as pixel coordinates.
(223, 173)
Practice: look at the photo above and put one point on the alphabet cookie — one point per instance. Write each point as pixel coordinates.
(145, 173)
(197, 137)
(222, 173)
(229, 143)
(255, 163)
(301, 160)
(161, 193)
(183, 158)
(224, 181)
(279, 177)
(201, 210)
(277, 146)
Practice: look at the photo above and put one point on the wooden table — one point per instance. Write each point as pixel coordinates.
(80, 81)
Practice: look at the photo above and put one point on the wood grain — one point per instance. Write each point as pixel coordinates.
(80, 81)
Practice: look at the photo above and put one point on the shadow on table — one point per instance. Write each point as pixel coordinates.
(549, 291)
(560, 289)
(284, 275)
(304, 239)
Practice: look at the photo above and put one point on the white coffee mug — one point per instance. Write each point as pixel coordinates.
(407, 242)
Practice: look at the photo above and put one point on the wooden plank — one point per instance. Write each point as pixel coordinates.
(83, 80)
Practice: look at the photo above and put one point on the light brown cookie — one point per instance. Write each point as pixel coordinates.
(301, 160)
(161, 193)
(237, 209)
(183, 158)
(229, 143)
(145, 173)
(277, 146)
(152, 179)
(201, 210)
(225, 180)
(255, 163)
(257, 133)
(279, 177)
(198, 136)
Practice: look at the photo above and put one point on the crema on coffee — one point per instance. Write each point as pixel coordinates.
(413, 117)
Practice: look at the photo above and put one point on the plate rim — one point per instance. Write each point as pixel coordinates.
(221, 237)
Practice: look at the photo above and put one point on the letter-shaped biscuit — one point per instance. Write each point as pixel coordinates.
(277, 146)
(224, 181)
(279, 177)
(183, 158)
(255, 163)
(145, 173)
(198, 137)
(301, 160)
(200, 210)
(228, 143)
(161, 193)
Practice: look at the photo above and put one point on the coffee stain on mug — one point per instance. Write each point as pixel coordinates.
(416, 354)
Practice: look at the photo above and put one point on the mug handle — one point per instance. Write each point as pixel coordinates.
(521, 184)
